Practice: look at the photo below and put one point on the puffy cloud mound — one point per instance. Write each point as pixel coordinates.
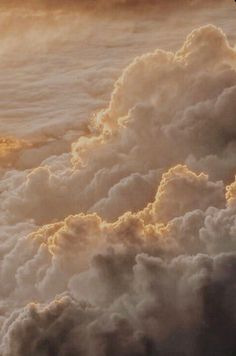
(147, 292)
(132, 287)
(137, 256)
(166, 109)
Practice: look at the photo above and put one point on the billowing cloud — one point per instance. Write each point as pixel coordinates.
(180, 112)
(132, 287)
(126, 245)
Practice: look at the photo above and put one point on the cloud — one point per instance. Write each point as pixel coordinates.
(140, 295)
(139, 284)
(133, 251)
(166, 109)
(181, 191)
(107, 4)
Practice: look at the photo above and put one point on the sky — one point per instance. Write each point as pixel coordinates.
(117, 178)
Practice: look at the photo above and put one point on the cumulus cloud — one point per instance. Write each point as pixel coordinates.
(151, 288)
(166, 109)
(132, 287)
(133, 251)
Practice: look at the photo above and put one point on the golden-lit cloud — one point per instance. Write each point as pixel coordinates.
(118, 236)
(9, 148)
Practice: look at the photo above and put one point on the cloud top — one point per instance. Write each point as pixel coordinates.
(133, 251)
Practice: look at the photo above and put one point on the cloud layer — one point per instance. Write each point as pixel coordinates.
(166, 109)
(133, 249)
(133, 287)
(107, 4)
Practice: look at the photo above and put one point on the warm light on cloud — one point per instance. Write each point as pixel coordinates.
(117, 182)
(9, 147)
